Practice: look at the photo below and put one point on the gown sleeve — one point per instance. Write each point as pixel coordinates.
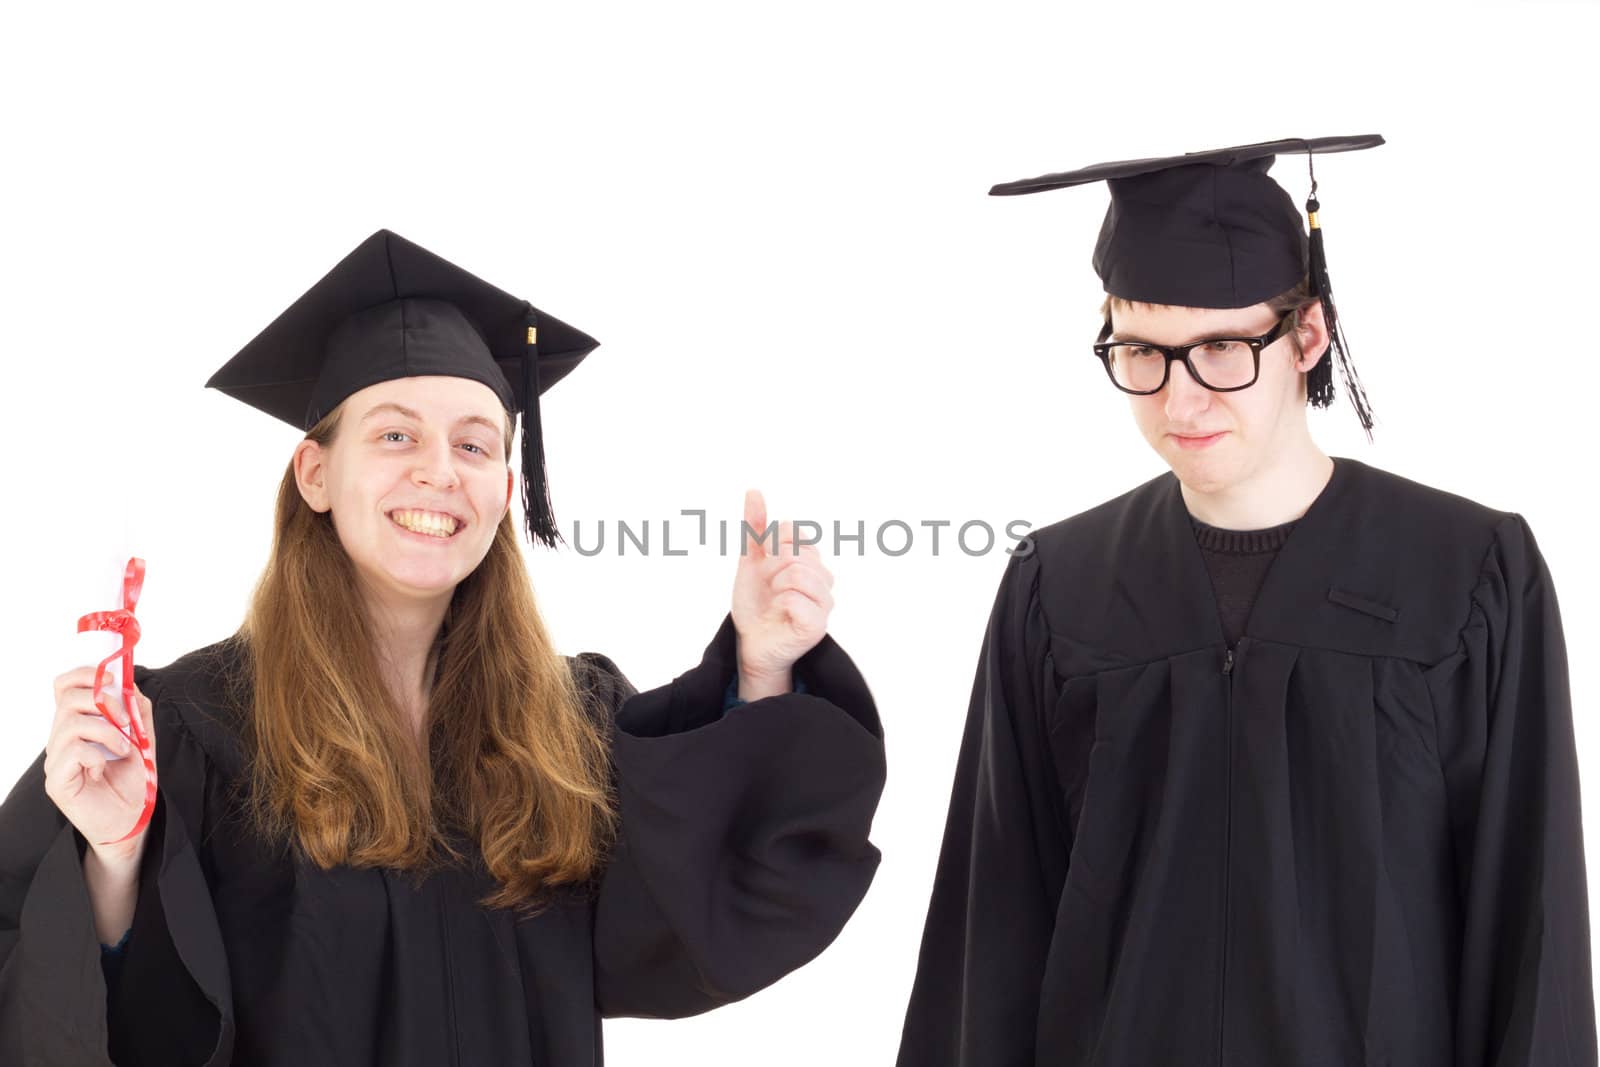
(1504, 719)
(1003, 862)
(743, 846)
(168, 1004)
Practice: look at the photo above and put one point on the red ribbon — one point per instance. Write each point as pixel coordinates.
(122, 623)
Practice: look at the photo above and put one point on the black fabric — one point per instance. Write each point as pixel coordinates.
(1237, 561)
(1232, 156)
(111, 957)
(743, 851)
(1204, 229)
(393, 309)
(1355, 839)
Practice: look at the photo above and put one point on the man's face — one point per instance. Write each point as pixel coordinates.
(1216, 440)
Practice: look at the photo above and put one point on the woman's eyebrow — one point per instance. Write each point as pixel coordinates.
(402, 410)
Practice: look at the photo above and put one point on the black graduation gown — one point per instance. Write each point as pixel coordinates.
(1351, 839)
(743, 851)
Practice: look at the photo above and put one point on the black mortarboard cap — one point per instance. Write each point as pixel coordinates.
(1211, 229)
(393, 309)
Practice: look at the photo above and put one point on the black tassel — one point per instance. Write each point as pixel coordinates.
(1321, 387)
(535, 487)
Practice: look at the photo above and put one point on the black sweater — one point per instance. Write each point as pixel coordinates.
(1237, 561)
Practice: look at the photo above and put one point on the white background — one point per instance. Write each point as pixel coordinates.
(775, 220)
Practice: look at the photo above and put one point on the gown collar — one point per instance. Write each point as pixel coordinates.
(1298, 576)
(1366, 571)
(1161, 601)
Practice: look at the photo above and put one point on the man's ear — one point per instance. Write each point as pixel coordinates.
(311, 474)
(1312, 333)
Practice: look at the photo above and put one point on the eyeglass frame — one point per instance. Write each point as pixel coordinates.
(1102, 349)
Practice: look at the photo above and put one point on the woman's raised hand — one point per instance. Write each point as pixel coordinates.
(100, 796)
(781, 601)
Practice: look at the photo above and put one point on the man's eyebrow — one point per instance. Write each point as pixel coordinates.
(402, 410)
(1209, 335)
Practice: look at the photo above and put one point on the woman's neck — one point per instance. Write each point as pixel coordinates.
(404, 636)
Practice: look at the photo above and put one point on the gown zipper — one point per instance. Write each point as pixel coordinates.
(449, 977)
(1227, 853)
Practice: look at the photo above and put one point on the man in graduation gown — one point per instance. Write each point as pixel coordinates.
(1269, 761)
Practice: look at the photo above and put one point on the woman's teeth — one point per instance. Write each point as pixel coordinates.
(425, 522)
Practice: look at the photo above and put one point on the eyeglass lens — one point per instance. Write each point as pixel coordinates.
(1219, 364)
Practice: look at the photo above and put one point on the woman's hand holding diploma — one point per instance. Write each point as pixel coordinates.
(100, 796)
(88, 773)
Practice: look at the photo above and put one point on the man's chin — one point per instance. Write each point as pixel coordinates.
(1204, 472)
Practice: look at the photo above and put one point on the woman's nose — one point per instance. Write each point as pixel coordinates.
(435, 468)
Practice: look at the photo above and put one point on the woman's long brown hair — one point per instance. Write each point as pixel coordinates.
(512, 756)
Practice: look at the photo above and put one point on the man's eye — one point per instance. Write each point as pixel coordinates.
(391, 434)
(480, 448)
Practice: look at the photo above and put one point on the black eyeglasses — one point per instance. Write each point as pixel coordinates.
(1221, 364)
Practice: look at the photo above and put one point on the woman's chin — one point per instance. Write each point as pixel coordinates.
(425, 582)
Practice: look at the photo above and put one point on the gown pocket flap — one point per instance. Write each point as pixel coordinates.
(1362, 604)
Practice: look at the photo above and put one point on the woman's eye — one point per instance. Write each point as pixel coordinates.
(392, 434)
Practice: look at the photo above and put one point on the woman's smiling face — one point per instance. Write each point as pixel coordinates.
(417, 478)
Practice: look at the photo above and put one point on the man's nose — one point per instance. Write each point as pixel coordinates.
(1184, 393)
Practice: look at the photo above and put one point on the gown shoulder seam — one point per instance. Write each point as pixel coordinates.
(1475, 602)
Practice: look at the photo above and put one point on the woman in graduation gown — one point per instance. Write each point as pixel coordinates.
(1269, 761)
(392, 825)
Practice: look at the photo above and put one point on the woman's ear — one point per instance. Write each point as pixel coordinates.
(1312, 333)
(311, 474)
(511, 481)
